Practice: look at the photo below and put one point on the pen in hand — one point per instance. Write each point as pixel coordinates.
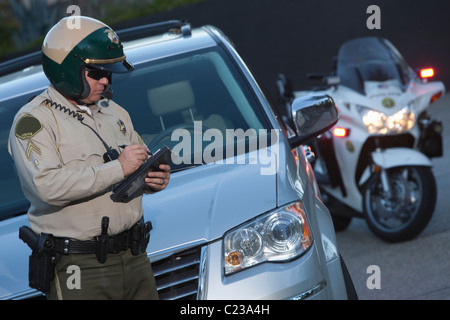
(123, 146)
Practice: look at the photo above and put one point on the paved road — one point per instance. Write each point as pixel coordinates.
(416, 269)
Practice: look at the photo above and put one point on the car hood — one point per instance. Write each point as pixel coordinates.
(198, 206)
(202, 203)
(13, 259)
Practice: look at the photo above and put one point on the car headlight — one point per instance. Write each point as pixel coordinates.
(281, 235)
(378, 122)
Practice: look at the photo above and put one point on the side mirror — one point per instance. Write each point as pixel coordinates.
(327, 79)
(332, 81)
(312, 115)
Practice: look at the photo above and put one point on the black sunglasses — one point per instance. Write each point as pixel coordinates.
(98, 74)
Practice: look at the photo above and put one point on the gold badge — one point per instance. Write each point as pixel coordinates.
(112, 36)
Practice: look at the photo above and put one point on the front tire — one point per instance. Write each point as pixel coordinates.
(407, 212)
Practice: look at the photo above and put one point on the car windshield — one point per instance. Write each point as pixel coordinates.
(196, 103)
(199, 104)
(371, 59)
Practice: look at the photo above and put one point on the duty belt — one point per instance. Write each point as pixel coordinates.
(46, 249)
(136, 238)
(114, 244)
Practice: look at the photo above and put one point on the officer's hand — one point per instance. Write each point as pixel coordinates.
(158, 180)
(132, 157)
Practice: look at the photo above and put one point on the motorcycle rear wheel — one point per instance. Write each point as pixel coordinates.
(404, 215)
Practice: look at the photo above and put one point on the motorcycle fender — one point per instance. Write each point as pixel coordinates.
(399, 157)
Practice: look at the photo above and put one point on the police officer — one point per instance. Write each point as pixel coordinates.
(65, 144)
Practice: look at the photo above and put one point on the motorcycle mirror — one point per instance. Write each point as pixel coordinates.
(312, 115)
(333, 81)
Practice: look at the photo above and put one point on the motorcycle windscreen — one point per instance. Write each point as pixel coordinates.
(371, 59)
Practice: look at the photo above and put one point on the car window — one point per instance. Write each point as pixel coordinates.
(171, 99)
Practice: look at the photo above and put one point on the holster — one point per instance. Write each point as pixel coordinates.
(140, 237)
(42, 259)
(136, 238)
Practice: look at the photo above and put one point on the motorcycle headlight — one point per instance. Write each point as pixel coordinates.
(402, 120)
(279, 236)
(378, 122)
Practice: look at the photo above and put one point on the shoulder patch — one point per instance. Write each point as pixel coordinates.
(27, 127)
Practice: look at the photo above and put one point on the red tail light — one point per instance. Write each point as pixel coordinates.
(341, 132)
(426, 73)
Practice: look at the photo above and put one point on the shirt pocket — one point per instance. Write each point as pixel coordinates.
(88, 153)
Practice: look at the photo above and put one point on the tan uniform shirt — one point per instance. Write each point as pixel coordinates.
(60, 165)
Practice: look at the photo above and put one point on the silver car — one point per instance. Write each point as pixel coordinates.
(242, 217)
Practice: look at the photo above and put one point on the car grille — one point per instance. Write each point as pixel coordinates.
(177, 276)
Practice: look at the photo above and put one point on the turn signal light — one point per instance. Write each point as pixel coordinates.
(426, 73)
(235, 258)
(436, 96)
(341, 132)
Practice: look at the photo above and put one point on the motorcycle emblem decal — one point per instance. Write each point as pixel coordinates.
(122, 127)
(350, 146)
(388, 102)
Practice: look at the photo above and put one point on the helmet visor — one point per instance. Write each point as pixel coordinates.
(119, 65)
(98, 74)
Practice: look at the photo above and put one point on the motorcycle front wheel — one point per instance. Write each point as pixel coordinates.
(404, 213)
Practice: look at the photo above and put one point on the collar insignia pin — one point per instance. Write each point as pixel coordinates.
(122, 127)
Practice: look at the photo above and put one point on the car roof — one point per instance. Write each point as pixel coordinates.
(156, 47)
(31, 78)
(28, 80)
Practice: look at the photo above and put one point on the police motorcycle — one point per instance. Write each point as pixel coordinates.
(375, 163)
